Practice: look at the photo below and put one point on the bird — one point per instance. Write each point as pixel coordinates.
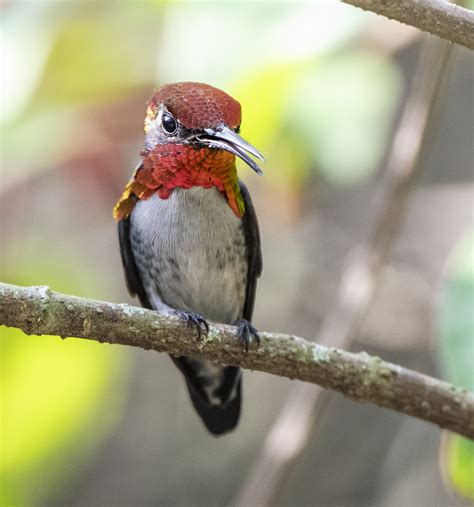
(188, 232)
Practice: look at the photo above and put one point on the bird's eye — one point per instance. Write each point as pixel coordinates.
(169, 124)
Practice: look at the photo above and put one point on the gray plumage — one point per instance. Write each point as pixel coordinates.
(191, 253)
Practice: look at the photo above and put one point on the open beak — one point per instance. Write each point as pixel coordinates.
(225, 138)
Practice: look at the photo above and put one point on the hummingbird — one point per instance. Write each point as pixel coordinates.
(188, 232)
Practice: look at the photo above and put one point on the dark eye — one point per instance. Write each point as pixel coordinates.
(169, 124)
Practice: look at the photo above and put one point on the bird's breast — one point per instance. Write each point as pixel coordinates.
(190, 251)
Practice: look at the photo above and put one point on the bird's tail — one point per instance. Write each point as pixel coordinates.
(215, 392)
(218, 419)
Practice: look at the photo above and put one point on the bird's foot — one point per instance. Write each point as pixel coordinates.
(246, 333)
(195, 320)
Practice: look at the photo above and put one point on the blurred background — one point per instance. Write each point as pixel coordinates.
(322, 86)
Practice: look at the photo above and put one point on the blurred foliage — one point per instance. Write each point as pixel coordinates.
(74, 52)
(309, 102)
(98, 68)
(76, 76)
(343, 120)
(457, 459)
(331, 114)
(456, 349)
(220, 41)
(456, 316)
(59, 399)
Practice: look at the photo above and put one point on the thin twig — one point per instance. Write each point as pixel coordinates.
(361, 377)
(441, 18)
(289, 434)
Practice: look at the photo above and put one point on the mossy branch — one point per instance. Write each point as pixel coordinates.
(444, 19)
(361, 377)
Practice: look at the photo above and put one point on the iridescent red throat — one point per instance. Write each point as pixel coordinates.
(169, 166)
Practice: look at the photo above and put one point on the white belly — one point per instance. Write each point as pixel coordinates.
(191, 254)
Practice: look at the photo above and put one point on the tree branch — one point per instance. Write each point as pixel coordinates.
(441, 18)
(39, 310)
(359, 281)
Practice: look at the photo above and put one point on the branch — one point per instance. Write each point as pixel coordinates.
(441, 18)
(359, 281)
(39, 310)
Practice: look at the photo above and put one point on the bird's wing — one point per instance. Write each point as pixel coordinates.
(122, 213)
(254, 251)
(134, 283)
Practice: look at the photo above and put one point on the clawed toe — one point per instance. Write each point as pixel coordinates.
(197, 321)
(246, 333)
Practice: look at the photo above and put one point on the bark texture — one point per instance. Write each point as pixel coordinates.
(441, 18)
(361, 377)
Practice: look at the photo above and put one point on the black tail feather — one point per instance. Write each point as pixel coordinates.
(218, 419)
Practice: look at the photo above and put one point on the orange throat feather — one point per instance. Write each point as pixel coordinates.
(169, 166)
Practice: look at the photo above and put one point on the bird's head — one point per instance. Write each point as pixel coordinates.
(191, 139)
(197, 115)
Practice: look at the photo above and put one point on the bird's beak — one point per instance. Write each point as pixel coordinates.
(225, 138)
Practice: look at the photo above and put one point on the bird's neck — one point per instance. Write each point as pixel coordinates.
(171, 166)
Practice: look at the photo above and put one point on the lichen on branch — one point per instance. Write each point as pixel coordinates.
(361, 377)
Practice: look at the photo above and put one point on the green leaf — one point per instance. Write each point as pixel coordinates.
(456, 349)
(59, 398)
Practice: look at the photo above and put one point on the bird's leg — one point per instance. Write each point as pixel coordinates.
(195, 320)
(246, 333)
(192, 319)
